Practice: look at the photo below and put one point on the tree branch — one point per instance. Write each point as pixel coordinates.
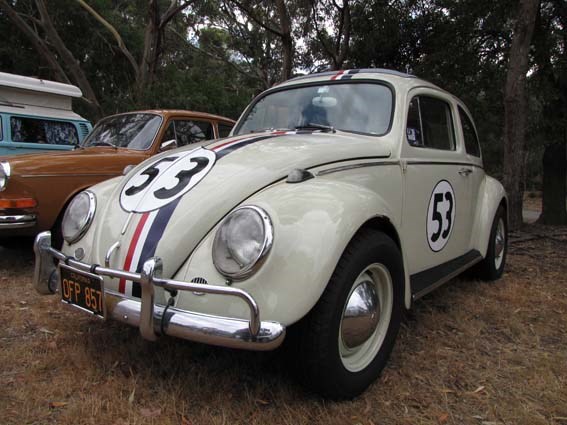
(114, 32)
(171, 11)
(252, 15)
(34, 38)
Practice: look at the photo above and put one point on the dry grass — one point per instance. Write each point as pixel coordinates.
(470, 353)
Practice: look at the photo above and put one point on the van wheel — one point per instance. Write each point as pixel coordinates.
(345, 340)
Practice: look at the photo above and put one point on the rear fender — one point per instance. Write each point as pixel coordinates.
(491, 195)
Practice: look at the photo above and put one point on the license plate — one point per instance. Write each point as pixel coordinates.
(82, 290)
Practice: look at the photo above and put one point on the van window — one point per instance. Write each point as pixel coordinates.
(1, 132)
(32, 130)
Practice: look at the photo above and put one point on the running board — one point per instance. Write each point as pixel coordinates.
(428, 280)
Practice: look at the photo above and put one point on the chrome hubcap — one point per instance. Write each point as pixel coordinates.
(361, 314)
(499, 243)
(366, 317)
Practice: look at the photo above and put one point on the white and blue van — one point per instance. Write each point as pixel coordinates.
(36, 115)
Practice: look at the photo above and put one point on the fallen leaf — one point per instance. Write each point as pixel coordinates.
(443, 418)
(150, 413)
(263, 402)
(131, 398)
(23, 302)
(57, 404)
(46, 331)
(479, 389)
(185, 421)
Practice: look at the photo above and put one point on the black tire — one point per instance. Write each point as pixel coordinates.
(488, 269)
(316, 340)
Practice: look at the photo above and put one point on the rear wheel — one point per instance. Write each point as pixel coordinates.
(346, 339)
(492, 267)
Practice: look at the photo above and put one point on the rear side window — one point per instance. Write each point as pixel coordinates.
(430, 124)
(1, 132)
(187, 132)
(471, 139)
(224, 129)
(33, 130)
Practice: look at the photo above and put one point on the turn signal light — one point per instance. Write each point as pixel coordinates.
(18, 203)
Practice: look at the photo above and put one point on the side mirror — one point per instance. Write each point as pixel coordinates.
(170, 144)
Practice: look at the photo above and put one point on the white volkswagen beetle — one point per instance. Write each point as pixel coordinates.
(339, 199)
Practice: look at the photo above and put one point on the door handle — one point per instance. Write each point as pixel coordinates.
(465, 171)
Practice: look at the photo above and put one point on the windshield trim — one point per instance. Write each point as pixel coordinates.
(387, 84)
(122, 114)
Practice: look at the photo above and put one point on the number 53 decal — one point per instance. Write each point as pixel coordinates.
(165, 180)
(440, 215)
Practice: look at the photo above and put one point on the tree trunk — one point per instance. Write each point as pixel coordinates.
(287, 40)
(554, 184)
(151, 45)
(78, 76)
(515, 109)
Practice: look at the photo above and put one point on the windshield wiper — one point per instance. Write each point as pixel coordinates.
(316, 126)
(105, 144)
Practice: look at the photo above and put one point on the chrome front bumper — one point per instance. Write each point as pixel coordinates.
(17, 221)
(149, 317)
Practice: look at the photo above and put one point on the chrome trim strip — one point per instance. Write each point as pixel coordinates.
(126, 223)
(252, 334)
(27, 176)
(445, 279)
(17, 221)
(465, 164)
(354, 166)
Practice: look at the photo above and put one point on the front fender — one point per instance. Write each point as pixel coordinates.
(491, 194)
(313, 223)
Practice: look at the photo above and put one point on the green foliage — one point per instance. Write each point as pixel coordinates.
(216, 56)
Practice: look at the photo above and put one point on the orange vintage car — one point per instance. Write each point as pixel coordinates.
(35, 189)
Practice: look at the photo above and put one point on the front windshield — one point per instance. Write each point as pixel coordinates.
(355, 107)
(132, 131)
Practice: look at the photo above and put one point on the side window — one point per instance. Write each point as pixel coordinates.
(224, 129)
(430, 124)
(32, 130)
(169, 133)
(471, 139)
(188, 132)
(1, 132)
(413, 128)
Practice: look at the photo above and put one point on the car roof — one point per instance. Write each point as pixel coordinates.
(166, 113)
(387, 75)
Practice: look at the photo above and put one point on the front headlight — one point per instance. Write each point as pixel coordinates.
(4, 174)
(242, 242)
(79, 216)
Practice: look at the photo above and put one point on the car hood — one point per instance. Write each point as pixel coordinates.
(95, 160)
(242, 166)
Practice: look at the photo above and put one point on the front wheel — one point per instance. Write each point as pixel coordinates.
(346, 339)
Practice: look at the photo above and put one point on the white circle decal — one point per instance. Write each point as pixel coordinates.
(440, 215)
(166, 179)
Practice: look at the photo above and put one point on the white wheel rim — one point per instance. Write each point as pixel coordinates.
(357, 358)
(499, 244)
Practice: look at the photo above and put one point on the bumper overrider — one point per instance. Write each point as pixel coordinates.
(153, 319)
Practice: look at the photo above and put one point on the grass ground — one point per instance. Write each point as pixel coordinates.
(469, 353)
